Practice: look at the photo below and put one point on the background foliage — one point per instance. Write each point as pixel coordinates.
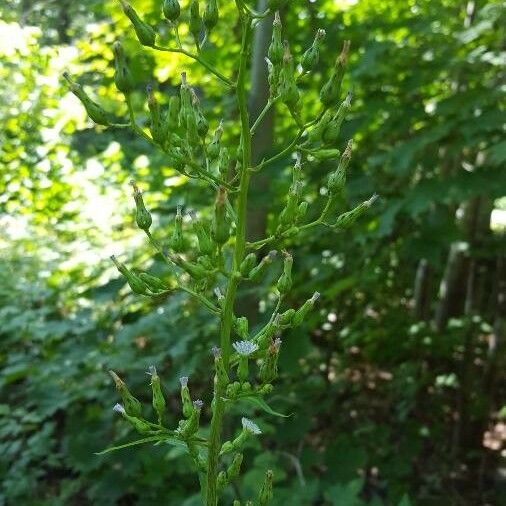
(396, 385)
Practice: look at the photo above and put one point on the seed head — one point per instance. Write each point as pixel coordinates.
(198, 404)
(184, 381)
(245, 348)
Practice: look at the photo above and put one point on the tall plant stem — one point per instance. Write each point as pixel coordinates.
(240, 246)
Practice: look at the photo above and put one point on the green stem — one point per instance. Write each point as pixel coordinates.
(265, 110)
(240, 246)
(197, 58)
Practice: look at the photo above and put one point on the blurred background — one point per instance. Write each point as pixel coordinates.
(396, 383)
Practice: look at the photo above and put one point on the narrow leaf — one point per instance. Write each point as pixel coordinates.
(158, 439)
(257, 401)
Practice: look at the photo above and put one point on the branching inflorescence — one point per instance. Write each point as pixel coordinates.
(222, 258)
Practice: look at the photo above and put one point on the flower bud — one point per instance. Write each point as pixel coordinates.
(155, 125)
(302, 210)
(210, 15)
(289, 213)
(142, 216)
(329, 93)
(221, 480)
(177, 241)
(221, 223)
(325, 154)
(288, 90)
(241, 327)
(206, 246)
(258, 272)
(265, 495)
(285, 280)
(265, 389)
(152, 282)
(236, 502)
(316, 133)
(185, 396)
(333, 128)
(275, 51)
(94, 111)
(158, 398)
(136, 284)
(186, 100)
(144, 32)
(221, 373)
(265, 335)
(269, 368)
(312, 55)
(195, 23)
(170, 122)
(171, 9)
(197, 272)
(346, 219)
(286, 317)
(213, 150)
(223, 162)
(190, 426)
(234, 468)
(248, 428)
(202, 124)
(131, 404)
(247, 264)
(137, 423)
(302, 312)
(233, 390)
(272, 77)
(122, 76)
(337, 179)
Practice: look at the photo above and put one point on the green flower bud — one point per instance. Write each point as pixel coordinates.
(241, 327)
(170, 122)
(221, 480)
(137, 423)
(223, 162)
(265, 495)
(269, 368)
(186, 100)
(247, 264)
(94, 111)
(312, 55)
(302, 210)
(201, 122)
(249, 428)
(197, 272)
(316, 133)
(213, 150)
(144, 32)
(158, 398)
(244, 349)
(285, 280)
(258, 272)
(191, 426)
(286, 317)
(206, 246)
(195, 24)
(185, 397)
(333, 128)
(288, 90)
(337, 179)
(221, 223)
(233, 390)
(302, 312)
(234, 468)
(246, 387)
(219, 367)
(210, 15)
(192, 131)
(325, 154)
(289, 213)
(122, 76)
(346, 219)
(264, 337)
(329, 93)
(272, 78)
(155, 126)
(265, 389)
(142, 216)
(131, 404)
(177, 241)
(171, 9)
(136, 284)
(275, 51)
(152, 282)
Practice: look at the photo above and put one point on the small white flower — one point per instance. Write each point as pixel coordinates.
(119, 408)
(152, 370)
(184, 381)
(277, 343)
(315, 297)
(216, 351)
(250, 426)
(245, 348)
(198, 404)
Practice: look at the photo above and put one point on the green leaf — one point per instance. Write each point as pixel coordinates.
(158, 439)
(404, 501)
(259, 402)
